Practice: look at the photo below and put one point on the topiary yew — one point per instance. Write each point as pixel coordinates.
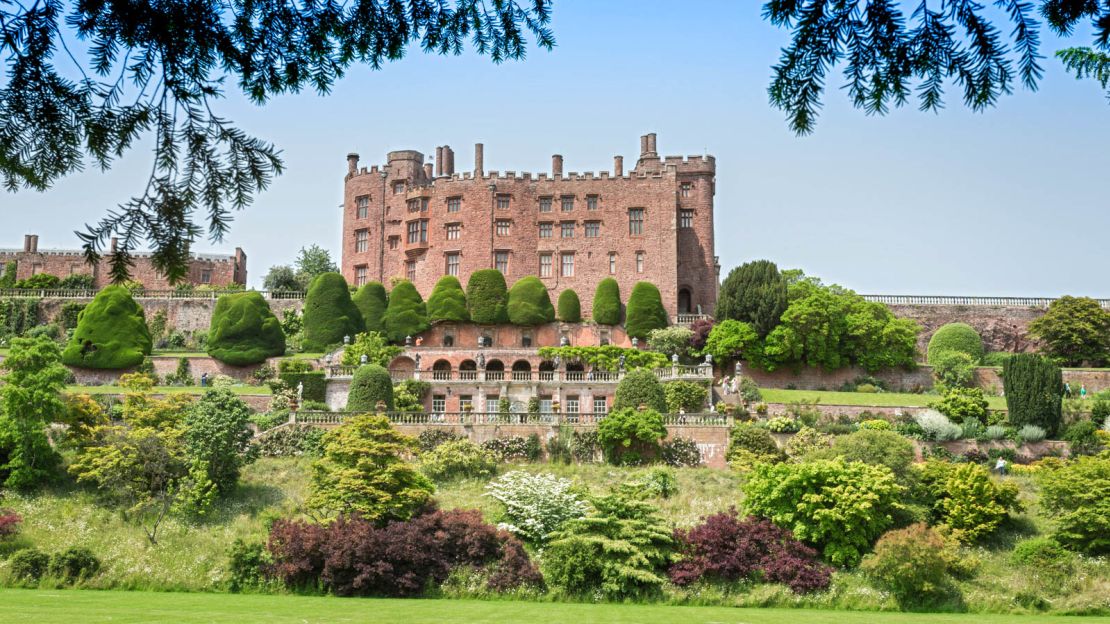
(447, 301)
(329, 313)
(371, 301)
(111, 333)
(244, 330)
(529, 303)
(959, 337)
(406, 315)
(1034, 389)
(570, 309)
(645, 310)
(369, 385)
(607, 302)
(487, 297)
(640, 387)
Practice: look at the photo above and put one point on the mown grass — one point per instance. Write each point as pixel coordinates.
(874, 399)
(240, 390)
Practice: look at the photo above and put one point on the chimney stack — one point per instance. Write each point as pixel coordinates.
(448, 160)
(428, 170)
(557, 166)
(34, 243)
(439, 161)
(352, 163)
(479, 160)
(618, 166)
(27, 243)
(647, 146)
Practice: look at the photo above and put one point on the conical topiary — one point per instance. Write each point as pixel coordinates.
(529, 303)
(607, 302)
(329, 313)
(406, 314)
(371, 300)
(487, 297)
(244, 330)
(570, 309)
(447, 301)
(370, 385)
(645, 310)
(111, 333)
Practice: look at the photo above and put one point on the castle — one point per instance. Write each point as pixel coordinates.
(408, 219)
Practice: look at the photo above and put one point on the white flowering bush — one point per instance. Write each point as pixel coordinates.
(535, 504)
(936, 426)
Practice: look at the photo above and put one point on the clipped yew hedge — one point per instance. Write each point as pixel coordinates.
(244, 330)
(569, 308)
(329, 313)
(371, 301)
(645, 311)
(487, 297)
(406, 314)
(314, 388)
(369, 385)
(447, 301)
(529, 303)
(607, 302)
(111, 333)
(959, 337)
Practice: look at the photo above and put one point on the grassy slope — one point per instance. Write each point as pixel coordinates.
(242, 390)
(877, 399)
(65, 607)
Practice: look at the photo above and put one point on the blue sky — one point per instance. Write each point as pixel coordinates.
(1009, 202)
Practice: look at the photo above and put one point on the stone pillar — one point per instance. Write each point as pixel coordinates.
(352, 163)
(618, 166)
(479, 160)
(557, 166)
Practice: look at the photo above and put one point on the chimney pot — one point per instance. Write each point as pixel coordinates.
(479, 160)
(352, 163)
(618, 166)
(557, 166)
(27, 243)
(439, 161)
(449, 157)
(34, 243)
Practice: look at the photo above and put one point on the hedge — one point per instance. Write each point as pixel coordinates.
(244, 330)
(1034, 389)
(640, 387)
(607, 302)
(447, 301)
(570, 309)
(329, 313)
(955, 337)
(645, 311)
(529, 303)
(369, 385)
(315, 384)
(371, 302)
(17, 316)
(406, 314)
(111, 333)
(487, 297)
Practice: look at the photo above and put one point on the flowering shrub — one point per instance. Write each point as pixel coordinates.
(431, 438)
(936, 426)
(725, 548)
(629, 436)
(535, 504)
(508, 449)
(460, 459)
(680, 453)
(782, 424)
(966, 499)
(585, 447)
(9, 523)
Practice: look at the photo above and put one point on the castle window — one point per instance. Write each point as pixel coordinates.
(362, 207)
(206, 276)
(362, 240)
(360, 275)
(503, 202)
(418, 231)
(419, 204)
(600, 405)
(567, 202)
(394, 241)
(453, 231)
(639, 262)
(453, 204)
(452, 264)
(410, 270)
(572, 405)
(439, 403)
(503, 227)
(545, 204)
(593, 229)
(566, 229)
(685, 189)
(545, 265)
(591, 202)
(545, 230)
(501, 261)
(398, 188)
(685, 218)
(612, 263)
(567, 265)
(635, 221)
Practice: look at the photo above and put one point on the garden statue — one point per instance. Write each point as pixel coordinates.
(363, 359)
(674, 359)
(709, 359)
(564, 341)
(417, 361)
(408, 341)
(635, 343)
(347, 339)
(620, 363)
(481, 361)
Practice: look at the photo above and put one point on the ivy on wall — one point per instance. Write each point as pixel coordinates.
(17, 316)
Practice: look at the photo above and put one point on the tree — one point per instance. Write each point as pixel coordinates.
(670, 341)
(487, 297)
(1034, 389)
(30, 399)
(371, 385)
(1076, 331)
(111, 333)
(731, 340)
(374, 346)
(607, 302)
(244, 330)
(145, 78)
(958, 337)
(329, 313)
(912, 563)
(645, 310)
(755, 293)
(888, 55)
(640, 387)
(362, 471)
(447, 301)
(569, 307)
(281, 278)
(371, 300)
(218, 434)
(529, 303)
(631, 435)
(1077, 496)
(312, 262)
(406, 314)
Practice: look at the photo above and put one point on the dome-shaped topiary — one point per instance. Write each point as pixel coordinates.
(570, 309)
(956, 337)
(487, 297)
(640, 387)
(329, 313)
(111, 333)
(371, 300)
(607, 302)
(406, 314)
(369, 385)
(645, 310)
(244, 330)
(447, 301)
(529, 303)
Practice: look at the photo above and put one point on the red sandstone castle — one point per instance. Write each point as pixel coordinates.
(654, 223)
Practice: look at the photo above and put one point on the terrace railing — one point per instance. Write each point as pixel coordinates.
(1012, 302)
(707, 419)
(690, 319)
(695, 373)
(145, 293)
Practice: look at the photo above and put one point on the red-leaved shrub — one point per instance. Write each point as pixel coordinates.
(726, 548)
(353, 557)
(9, 523)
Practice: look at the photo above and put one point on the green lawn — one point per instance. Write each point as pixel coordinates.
(241, 390)
(876, 399)
(68, 606)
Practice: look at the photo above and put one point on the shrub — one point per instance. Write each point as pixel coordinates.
(9, 523)
(429, 439)
(67, 317)
(654, 483)
(936, 426)
(535, 505)
(371, 301)
(1033, 386)
(1082, 438)
(447, 301)
(74, 564)
(111, 333)
(837, 507)
(217, 434)
(755, 293)
(569, 307)
(244, 331)
(487, 297)
(912, 563)
(460, 459)
(607, 357)
(374, 346)
(996, 432)
(629, 436)
(529, 303)
(783, 424)
(247, 564)
(28, 564)
(685, 396)
(645, 311)
(406, 314)
(959, 337)
(607, 303)
(640, 387)
(508, 449)
(962, 405)
(1044, 557)
(1075, 495)
(670, 341)
(370, 385)
(751, 444)
(39, 281)
(584, 446)
(953, 369)
(680, 453)
(329, 313)
(964, 498)
(873, 446)
(874, 424)
(724, 548)
(806, 441)
(294, 441)
(1075, 331)
(1030, 433)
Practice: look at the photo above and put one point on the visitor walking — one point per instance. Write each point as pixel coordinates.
(1083, 391)
(1067, 389)
(203, 380)
(1000, 466)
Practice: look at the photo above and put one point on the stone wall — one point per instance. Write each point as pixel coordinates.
(902, 380)
(1003, 328)
(184, 315)
(167, 364)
